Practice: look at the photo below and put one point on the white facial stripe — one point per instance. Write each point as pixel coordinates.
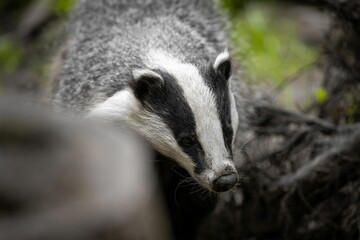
(115, 108)
(202, 103)
(234, 114)
(222, 57)
(123, 107)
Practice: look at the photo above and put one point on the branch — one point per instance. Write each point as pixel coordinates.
(267, 115)
(347, 145)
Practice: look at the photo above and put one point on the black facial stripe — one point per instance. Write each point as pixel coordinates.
(219, 85)
(169, 103)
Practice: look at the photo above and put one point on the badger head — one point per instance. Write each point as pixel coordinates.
(186, 112)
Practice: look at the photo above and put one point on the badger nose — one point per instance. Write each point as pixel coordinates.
(225, 182)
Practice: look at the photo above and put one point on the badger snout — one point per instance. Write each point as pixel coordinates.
(225, 182)
(219, 178)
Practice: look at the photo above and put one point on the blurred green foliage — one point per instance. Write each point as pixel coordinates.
(13, 49)
(62, 7)
(321, 95)
(11, 55)
(268, 47)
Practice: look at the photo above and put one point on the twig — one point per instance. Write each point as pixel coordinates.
(347, 145)
(288, 144)
(265, 115)
(294, 77)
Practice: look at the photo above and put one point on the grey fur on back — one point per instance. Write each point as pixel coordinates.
(108, 37)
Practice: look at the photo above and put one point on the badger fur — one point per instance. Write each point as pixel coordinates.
(161, 68)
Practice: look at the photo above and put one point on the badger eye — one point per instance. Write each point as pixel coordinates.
(187, 141)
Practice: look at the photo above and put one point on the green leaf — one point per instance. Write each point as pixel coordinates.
(61, 7)
(321, 95)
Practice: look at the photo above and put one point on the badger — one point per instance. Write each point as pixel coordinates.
(161, 68)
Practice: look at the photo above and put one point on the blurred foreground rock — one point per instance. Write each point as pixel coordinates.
(63, 179)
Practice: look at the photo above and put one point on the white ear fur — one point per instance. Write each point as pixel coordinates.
(147, 73)
(145, 81)
(222, 57)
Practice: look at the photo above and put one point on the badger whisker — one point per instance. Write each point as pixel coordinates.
(177, 187)
(172, 169)
(206, 194)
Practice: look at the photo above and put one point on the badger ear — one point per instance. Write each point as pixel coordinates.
(145, 81)
(222, 64)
